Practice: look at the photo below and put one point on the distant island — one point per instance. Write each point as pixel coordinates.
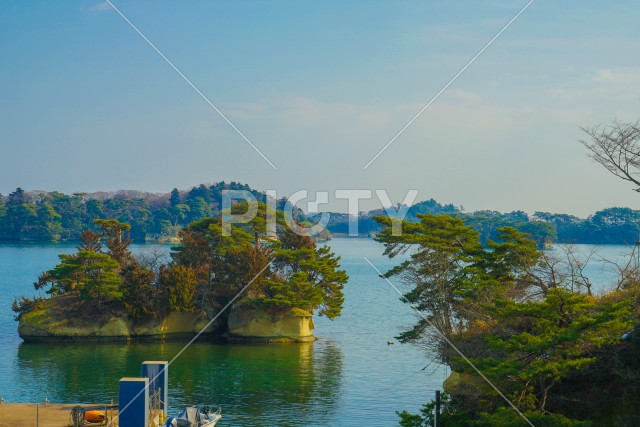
(159, 217)
(249, 285)
(54, 216)
(619, 226)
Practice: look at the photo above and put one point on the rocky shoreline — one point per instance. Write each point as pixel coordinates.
(46, 324)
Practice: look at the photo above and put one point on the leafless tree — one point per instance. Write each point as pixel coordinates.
(563, 269)
(628, 270)
(152, 258)
(576, 265)
(617, 148)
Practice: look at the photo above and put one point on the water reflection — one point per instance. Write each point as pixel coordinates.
(255, 384)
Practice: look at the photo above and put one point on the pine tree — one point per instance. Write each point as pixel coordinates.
(116, 239)
(180, 282)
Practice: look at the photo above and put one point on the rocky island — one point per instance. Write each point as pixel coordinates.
(46, 324)
(105, 293)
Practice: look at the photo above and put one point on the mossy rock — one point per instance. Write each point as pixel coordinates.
(260, 325)
(49, 323)
(175, 325)
(54, 321)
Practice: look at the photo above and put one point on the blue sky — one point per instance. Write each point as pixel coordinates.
(86, 105)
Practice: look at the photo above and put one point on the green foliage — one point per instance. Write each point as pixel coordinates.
(207, 270)
(3, 216)
(100, 278)
(69, 275)
(526, 330)
(304, 276)
(91, 274)
(55, 216)
(367, 226)
(209, 252)
(427, 415)
(139, 295)
(180, 282)
(487, 223)
(95, 275)
(174, 198)
(116, 239)
(507, 417)
(443, 269)
(24, 305)
(3, 208)
(539, 344)
(198, 209)
(49, 221)
(179, 213)
(90, 241)
(301, 275)
(608, 226)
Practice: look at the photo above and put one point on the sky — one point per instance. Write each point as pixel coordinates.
(320, 88)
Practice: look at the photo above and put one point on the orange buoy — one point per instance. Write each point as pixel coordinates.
(94, 416)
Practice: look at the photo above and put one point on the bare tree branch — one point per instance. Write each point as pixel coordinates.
(617, 148)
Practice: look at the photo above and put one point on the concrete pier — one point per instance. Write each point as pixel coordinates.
(41, 415)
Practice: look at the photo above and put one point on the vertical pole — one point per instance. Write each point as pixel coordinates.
(37, 415)
(437, 408)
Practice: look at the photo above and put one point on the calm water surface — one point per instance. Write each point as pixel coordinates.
(350, 377)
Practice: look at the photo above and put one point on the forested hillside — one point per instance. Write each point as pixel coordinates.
(608, 226)
(56, 216)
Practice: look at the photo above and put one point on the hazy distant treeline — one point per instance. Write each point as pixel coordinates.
(608, 226)
(54, 216)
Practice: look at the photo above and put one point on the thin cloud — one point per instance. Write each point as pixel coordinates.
(608, 75)
(565, 94)
(100, 7)
(465, 96)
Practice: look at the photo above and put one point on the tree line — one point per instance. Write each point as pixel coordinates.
(54, 216)
(607, 226)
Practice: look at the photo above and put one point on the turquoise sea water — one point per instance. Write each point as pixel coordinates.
(350, 377)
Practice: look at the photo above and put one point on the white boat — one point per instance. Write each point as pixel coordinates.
(193, 416)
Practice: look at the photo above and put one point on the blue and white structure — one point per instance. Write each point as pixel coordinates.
(158, 374)
(133, 402)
